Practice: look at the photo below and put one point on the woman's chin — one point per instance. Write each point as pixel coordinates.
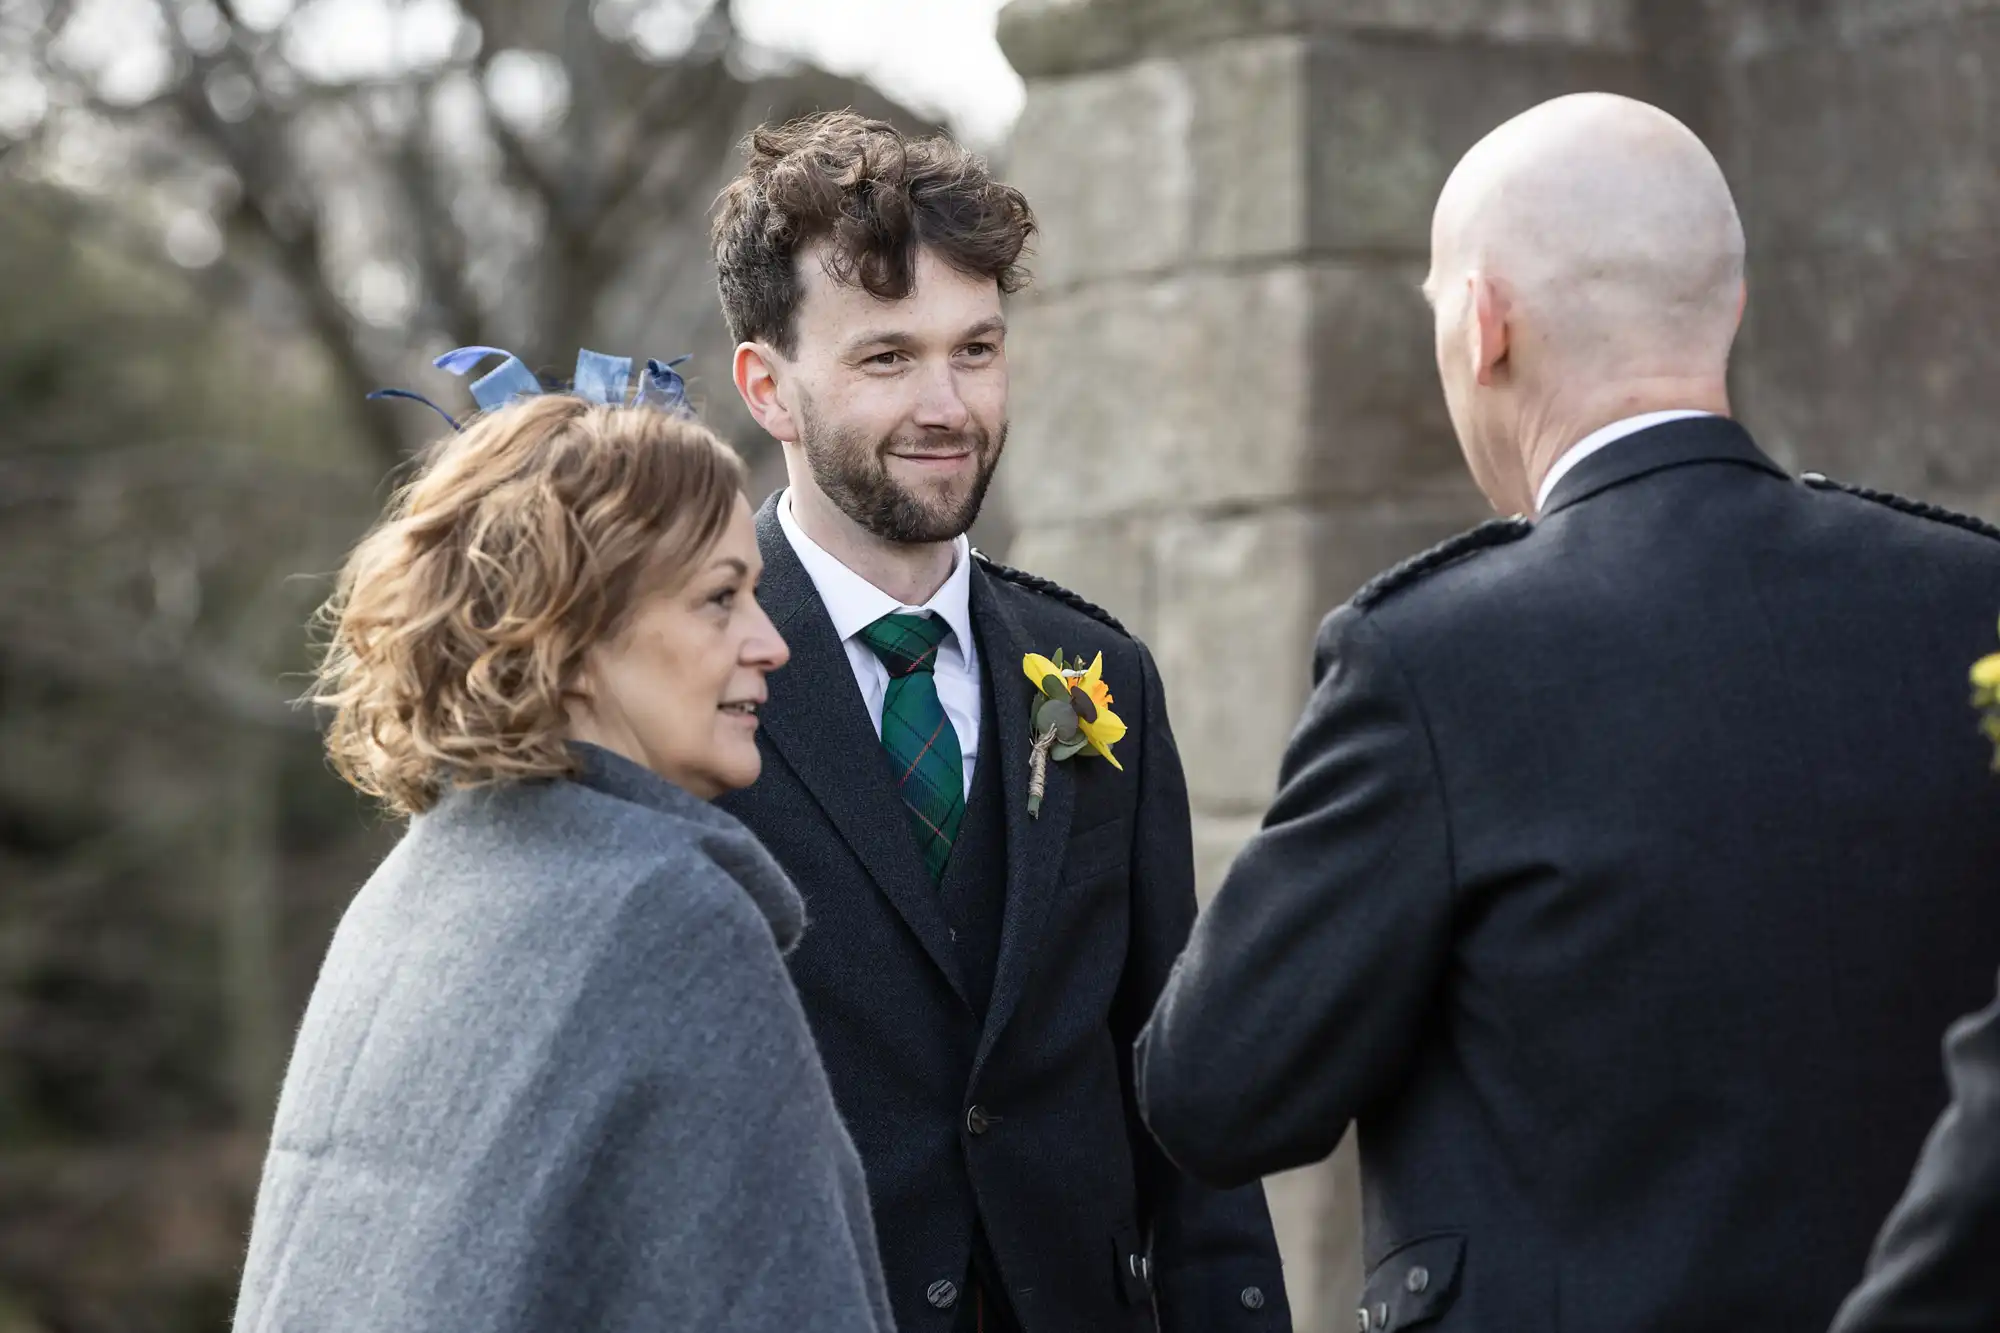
(738, 767)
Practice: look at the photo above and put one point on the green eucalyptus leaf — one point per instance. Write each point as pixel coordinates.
(1069, 733)
(1068, 749)
(1054, 715)
(1054, 688)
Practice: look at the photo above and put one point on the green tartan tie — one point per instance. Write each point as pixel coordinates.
(919, 738)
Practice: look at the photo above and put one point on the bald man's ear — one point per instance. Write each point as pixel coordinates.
(1489, 344)
(756, 374)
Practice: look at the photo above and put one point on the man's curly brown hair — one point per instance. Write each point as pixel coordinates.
(460, 623)
(877, 197)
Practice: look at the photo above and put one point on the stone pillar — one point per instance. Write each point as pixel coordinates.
(1226, 415)
(1861, 148)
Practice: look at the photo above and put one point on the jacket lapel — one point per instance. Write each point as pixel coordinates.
(817, 723)
(1034, 845)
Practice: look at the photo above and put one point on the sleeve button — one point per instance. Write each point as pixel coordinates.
(1418, 1280)
(1251, 1298)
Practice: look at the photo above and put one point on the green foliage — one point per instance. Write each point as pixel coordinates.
(165, 476)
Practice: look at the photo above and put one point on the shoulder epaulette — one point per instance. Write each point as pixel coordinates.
(1036, 583)
(1493, 532)
(1819, 481)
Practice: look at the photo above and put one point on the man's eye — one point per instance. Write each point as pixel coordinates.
(884, 358)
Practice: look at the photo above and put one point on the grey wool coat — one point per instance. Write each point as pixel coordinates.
(554, 1076)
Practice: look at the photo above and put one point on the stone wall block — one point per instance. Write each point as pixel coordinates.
(1876, 368)
(1391, 119)
(1353, 545)
(1606, 24)
(1234, 626)
(1238, 602)
(1046, 38)
(1248, 148)
(1109, 563)
(1316, 1211)
(1750, 29)
(1378, 415)
(1140, 397)
(1103, 159)
(1135, 170)
(1217, 838)
(1876, 147)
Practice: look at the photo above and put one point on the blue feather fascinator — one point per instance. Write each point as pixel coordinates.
(599, 378)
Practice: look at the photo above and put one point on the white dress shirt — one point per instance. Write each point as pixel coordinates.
(854, 603)
(1601, 437)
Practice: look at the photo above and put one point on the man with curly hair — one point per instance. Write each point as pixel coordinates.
(976, 970)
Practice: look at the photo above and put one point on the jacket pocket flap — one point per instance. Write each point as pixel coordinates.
(1096, 851)
(1414, 1284)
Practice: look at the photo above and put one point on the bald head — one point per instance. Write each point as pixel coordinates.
(1597, 240)
(1605, 218)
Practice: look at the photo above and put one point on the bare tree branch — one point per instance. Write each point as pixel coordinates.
(439, 242)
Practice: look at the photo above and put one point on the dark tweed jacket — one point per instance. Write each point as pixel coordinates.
(1076, 1200)
(1620, 877)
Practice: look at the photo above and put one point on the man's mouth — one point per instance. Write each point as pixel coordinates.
(953, 456)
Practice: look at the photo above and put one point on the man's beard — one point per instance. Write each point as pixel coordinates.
(852, 471)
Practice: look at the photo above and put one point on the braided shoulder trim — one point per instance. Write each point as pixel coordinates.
(1819, 481)
(1493, 532)
(1048, 588)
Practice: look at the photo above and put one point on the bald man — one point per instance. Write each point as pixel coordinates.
(1628, 857)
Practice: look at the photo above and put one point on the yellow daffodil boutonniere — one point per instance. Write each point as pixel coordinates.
(1986, 698)
(1072, 714)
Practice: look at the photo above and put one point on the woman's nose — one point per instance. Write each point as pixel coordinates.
(765, 648)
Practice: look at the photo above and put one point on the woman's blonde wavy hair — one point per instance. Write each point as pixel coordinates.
(459, 625)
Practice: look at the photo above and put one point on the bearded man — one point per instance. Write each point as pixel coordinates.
(980, 955)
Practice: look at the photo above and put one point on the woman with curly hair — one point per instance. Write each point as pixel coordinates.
(553, 1074)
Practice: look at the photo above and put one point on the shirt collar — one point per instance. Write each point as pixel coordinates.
(853, 603)
(1598, 439)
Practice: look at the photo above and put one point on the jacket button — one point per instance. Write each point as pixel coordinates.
(1362, 1319)
(977, 1121)
(1251, 1298)
(1381, 1314)
(942, 1294)
(1419, 1278)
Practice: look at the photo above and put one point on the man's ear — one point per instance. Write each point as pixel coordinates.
(756, 375)
(1489, 344)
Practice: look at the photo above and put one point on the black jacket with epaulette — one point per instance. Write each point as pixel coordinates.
(978, 1031)
(1622, 873)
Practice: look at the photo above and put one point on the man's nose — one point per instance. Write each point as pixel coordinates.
(939, 404)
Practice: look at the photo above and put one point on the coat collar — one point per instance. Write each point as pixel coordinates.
(718, 833)
(1676, 444)
(853, 603)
